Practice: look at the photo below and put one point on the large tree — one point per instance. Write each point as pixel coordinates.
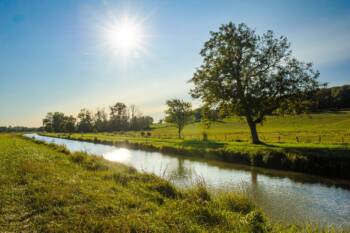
(255, 74)
(179, 112)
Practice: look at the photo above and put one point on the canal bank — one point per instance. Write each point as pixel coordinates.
(281, 195)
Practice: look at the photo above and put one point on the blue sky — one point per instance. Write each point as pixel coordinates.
(53, 58)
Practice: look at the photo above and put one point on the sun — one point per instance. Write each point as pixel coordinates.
(125, 36)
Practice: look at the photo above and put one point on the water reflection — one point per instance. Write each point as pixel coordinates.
(121, 155)
(284, 196)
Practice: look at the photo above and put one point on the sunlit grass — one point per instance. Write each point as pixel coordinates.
(45, 188)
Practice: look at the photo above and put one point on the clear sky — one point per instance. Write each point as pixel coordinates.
(54, 55)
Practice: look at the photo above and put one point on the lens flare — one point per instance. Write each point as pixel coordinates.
(125, 36)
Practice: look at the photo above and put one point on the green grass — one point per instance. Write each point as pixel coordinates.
(317, 128)
(45, 188)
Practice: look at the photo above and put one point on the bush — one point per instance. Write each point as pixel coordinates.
(257, 222)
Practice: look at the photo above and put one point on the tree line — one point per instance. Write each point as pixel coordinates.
(332, 98)
(17, 129)
(120, 118)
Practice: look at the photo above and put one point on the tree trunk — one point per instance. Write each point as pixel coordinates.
(179, 131)
(253, 132)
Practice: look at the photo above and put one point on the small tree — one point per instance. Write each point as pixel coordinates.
(100, 120)
(47, 122)
(255, 74)
(70, 124)
(179, 112)
(85, 123)
(119, 117)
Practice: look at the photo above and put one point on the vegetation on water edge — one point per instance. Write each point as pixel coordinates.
(46, 188)
(324, 160)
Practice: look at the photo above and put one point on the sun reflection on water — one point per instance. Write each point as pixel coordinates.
(120, 155)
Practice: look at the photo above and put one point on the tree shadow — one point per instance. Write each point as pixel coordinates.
(343, 151)
(200, 144)
(322, 152)
(267, 145)
(334, 111)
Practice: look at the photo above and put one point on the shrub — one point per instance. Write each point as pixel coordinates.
(257, 222)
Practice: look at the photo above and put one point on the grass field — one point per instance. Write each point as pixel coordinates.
(324, 128)
(45, 188)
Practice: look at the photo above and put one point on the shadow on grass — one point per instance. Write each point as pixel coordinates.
(267, 145)
(200, 144)
(335, 111)
(307, 150)
(324, 152)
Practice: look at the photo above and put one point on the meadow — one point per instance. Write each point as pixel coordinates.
(46, 188)
(320, 128)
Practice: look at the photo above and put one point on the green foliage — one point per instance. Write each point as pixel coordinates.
(122, 118)
(179, 112)
(86, 123)
(255, 74)
(118, 117)
(332, 98)
(58, 122)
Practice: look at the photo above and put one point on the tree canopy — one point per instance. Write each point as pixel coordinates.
(255, 74)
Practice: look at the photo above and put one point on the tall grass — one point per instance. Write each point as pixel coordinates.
(45, 188)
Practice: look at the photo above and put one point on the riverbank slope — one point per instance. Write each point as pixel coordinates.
(46, 188)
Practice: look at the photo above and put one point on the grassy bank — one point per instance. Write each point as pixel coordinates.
(321, 159)
(45, 188)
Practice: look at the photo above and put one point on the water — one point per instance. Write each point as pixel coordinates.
(285, 196)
